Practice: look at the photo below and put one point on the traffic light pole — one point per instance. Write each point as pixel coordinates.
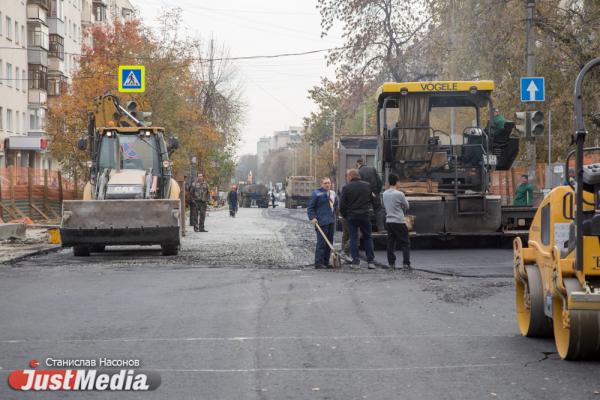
(530, 138)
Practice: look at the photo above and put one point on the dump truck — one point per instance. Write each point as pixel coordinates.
(298, 190)
(557, 271)
(131, 197)
(431, 136)
(255, 194)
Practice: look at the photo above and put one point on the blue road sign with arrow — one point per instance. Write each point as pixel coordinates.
(532, 89)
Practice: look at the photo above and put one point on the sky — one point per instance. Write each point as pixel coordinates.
(275, 90)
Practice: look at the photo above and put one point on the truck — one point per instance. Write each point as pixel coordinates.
(298, 190)
(131, 197)
(255, 194)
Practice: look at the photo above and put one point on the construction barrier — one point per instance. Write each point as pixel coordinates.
(35, 193)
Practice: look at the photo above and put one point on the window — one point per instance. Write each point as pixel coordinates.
(1, 72)
(1, 114)
(16, 32)
(24, 122)
(9, 75)
(57, 48)
(99, 13)
(1, 27)
(23, 37)
(17, 122)
(9, 117)
(36, 37)
(9, 28)
(56, 85)
(36, 119)
(38, 77)
(24, 78)
(17, 82)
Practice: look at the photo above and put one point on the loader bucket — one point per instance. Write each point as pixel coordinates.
(120, 222)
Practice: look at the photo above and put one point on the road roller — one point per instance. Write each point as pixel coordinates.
(557, 275)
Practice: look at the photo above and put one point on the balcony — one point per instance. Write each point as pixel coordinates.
(37, 55)
(56, 64)
(56, 47)
(86, 13)
(56, 26)
(36, 13)
(37, 36)
(57, 85)
(37, 97)
(42, 3)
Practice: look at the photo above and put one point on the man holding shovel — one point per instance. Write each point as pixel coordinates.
(321, 213)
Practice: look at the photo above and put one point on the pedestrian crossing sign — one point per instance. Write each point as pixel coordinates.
(132, 78)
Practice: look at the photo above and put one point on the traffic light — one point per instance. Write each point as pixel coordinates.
(529, 123)
(521, 122)
(536, 119)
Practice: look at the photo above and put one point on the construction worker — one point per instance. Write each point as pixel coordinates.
(369, 174)
(496, 125)
(198, 196)
(524, 192)
(356, 206)
(321, 211)
(395, 204)
(232, 201)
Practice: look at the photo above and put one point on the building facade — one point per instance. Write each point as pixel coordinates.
(287, 139)
(263, 146)
(13, 78)
(41, 41)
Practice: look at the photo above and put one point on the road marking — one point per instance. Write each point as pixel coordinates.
(333, 369)
(245, 338)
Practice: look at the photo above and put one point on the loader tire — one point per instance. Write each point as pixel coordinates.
(81, 251)
(169, 249)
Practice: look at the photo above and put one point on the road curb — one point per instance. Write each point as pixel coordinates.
(32, 254)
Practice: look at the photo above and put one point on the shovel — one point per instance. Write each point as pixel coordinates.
(337, 259)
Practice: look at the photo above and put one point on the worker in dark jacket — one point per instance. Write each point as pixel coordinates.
(321, 211)
(369, 174)
(198, 197)
(356, 206)
(232, 200)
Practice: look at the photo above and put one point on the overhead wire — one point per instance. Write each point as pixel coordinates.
(200, 59)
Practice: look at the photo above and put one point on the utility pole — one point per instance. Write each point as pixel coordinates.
(333, 149)
(365, 120)
(530, 144)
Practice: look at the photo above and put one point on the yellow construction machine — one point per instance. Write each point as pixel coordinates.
(131, 197)
(557, 276)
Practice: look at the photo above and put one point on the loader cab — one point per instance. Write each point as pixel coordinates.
(435, 131)
(133, 149)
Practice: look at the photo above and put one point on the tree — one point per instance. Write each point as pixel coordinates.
(378, 34)
(174, 93)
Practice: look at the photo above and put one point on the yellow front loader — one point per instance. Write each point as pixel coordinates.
(131, 197)
(557, 276)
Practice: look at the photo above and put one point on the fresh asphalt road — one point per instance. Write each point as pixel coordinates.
(238, 315)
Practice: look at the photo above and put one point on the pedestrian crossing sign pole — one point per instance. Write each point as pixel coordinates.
(132, 78)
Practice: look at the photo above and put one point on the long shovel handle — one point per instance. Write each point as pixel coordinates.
(325, 237)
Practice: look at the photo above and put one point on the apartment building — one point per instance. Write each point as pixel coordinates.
(40, 44)
(13, 81)
(287, 139)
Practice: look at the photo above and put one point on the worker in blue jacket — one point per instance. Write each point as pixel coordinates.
(321, 211)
